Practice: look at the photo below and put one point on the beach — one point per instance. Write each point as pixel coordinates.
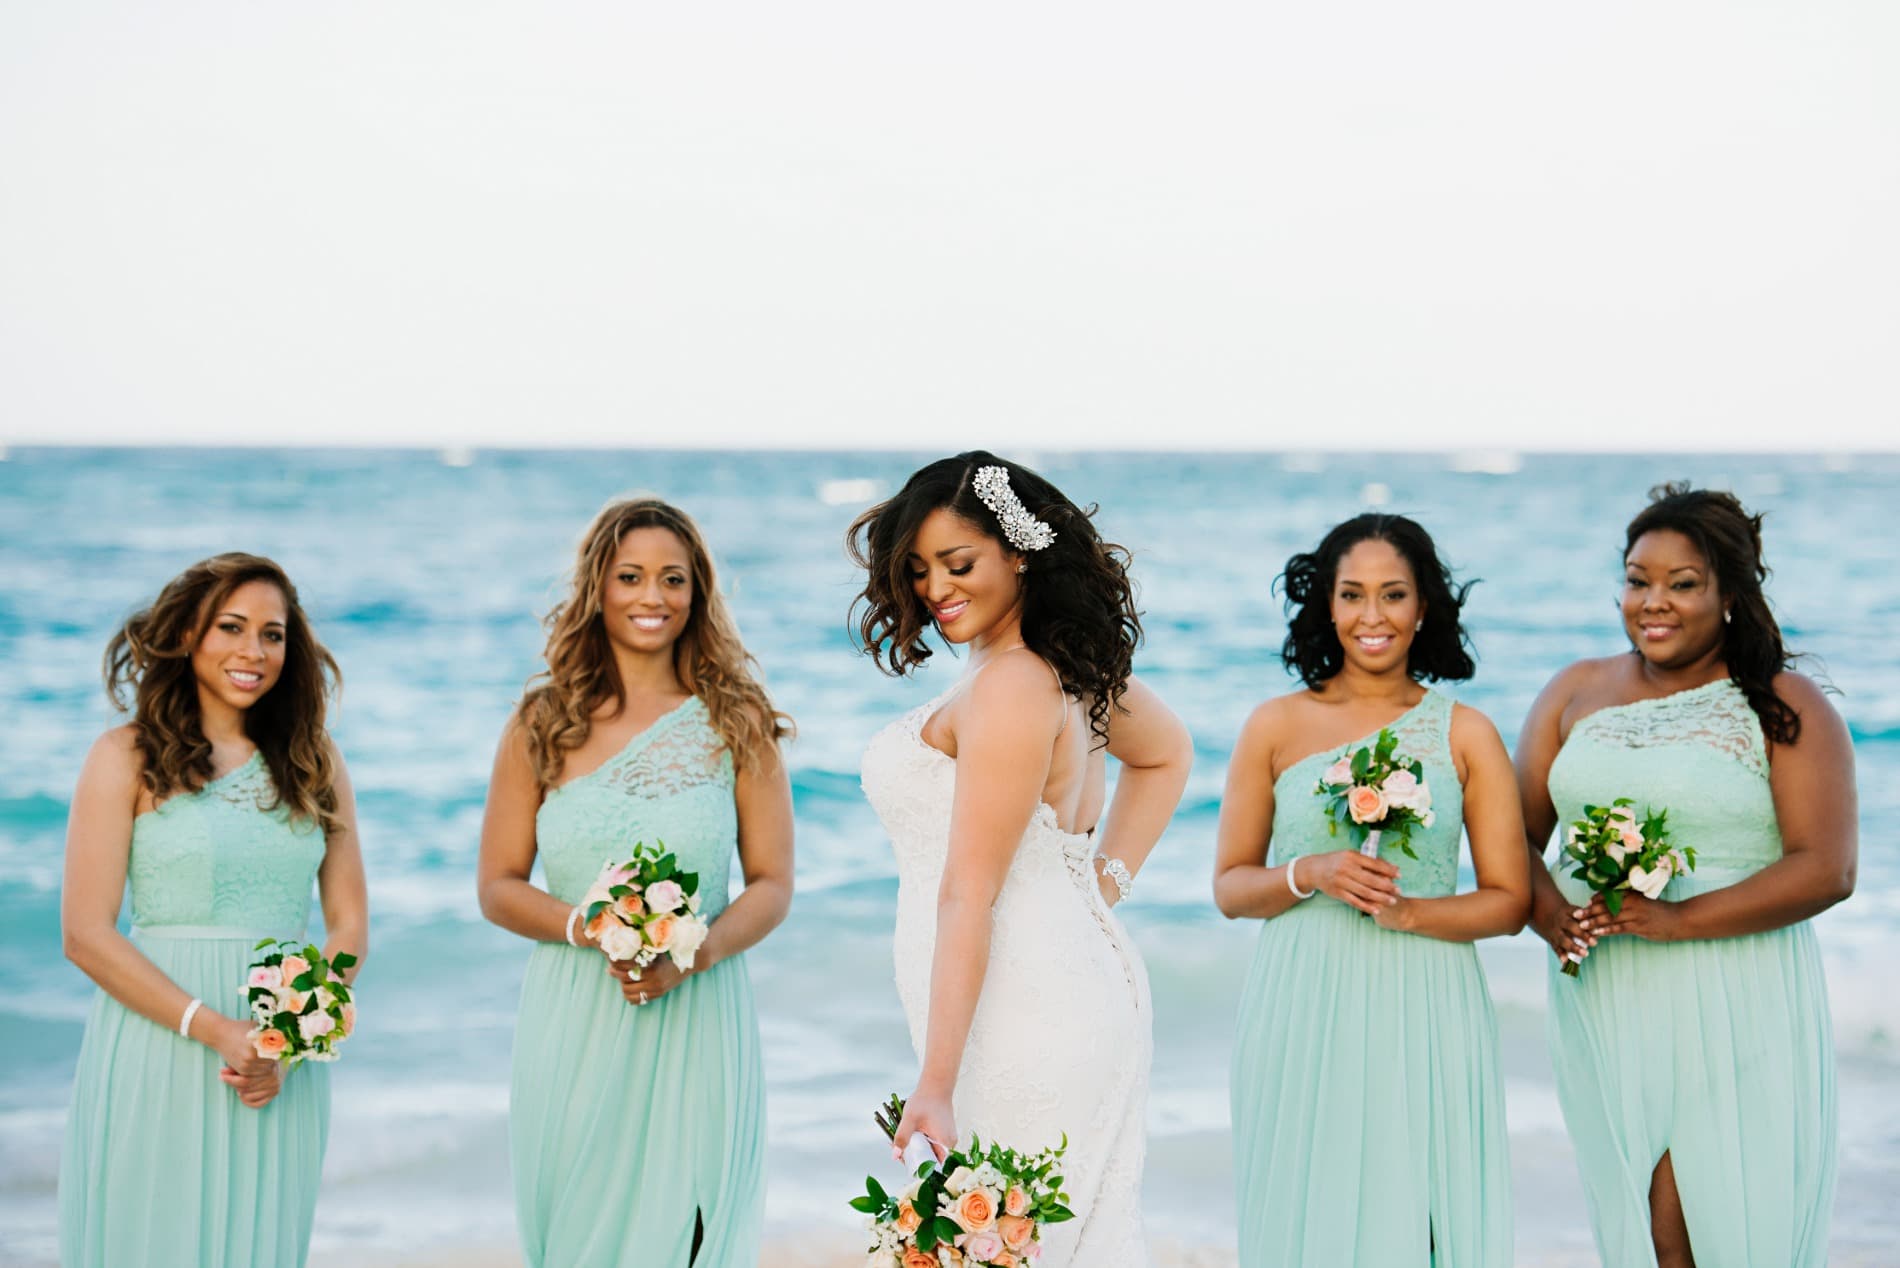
(426, 576)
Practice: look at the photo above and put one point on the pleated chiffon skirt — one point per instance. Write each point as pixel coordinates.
(162, 1164)
(1368, 1108)
(629, 1126)
(1720, 1053)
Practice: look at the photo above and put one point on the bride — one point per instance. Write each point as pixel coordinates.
(1027, 1000)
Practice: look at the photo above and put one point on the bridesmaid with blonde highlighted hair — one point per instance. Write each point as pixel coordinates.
(637, 1114)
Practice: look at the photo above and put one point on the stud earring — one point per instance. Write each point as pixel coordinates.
(1418, 627)
(1021, 568)
(1728, 616)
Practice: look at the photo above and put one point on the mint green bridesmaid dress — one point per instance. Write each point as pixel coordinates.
(1368, 1109)
(162, 1164)
(1719, 1052)
(629, 1126)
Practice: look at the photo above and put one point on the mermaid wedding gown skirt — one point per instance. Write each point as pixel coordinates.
(1061, 1041)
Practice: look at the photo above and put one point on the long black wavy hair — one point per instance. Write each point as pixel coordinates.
(1729, 539)
(1440, 652)
(1078, 601)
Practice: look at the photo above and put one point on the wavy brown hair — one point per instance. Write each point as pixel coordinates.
(148, 673)
(557, 711)
(1729, 538)
(1078, 600)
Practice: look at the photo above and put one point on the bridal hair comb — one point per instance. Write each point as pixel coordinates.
(1024, 531)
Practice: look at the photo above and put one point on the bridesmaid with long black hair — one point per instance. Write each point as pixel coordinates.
(222, 801)
(1694, 1052)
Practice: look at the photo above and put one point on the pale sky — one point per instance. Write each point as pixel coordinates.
(1518, 224)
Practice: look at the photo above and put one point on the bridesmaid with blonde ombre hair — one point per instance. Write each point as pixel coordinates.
(222, 801)
(637, 1113)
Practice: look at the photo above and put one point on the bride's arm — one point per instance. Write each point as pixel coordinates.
(1005, 734)
(1155, 752)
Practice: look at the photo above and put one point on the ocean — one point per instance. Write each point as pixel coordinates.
(426, 573)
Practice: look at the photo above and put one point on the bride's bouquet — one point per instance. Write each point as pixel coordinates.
(1374, 790)
(645, 908)
(301, 1008)
(1614, 852)
(984, 1204)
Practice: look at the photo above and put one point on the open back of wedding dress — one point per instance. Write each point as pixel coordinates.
(1061, 1041)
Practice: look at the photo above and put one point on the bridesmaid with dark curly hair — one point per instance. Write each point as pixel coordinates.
(223, 801)
(1694, 1053)
(1367, 1104)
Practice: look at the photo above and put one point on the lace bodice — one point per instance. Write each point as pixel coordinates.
(1700, 755)
(1424, 732)
(217, 857)
(670, 786)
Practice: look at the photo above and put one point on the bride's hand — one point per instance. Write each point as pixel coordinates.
(932, 1116)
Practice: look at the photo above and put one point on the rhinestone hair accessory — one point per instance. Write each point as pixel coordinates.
(1024, 531)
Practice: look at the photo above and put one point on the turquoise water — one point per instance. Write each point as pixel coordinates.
(426, 576)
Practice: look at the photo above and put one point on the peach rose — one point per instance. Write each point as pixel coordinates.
(984, 1245)
(349, 1019)
(289, 1001)
(1004, 1259)
(594, 926)
(270, 1044)
(294, 966)
(1017, 1230)
(1016, 1201)
(976, 1209)
(1365, 804)
(1632, 837)
(914, 1258)
(907, 1218)
(627, 906)
(659, 931)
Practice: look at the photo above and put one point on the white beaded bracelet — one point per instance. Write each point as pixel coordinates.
(191, 1010)
(1117, 871)
(1292, 884)
(572, 916)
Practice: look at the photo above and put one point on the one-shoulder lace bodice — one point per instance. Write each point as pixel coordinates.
(225, 856)
(1301, 826)
(671, 785)
(1700, 755)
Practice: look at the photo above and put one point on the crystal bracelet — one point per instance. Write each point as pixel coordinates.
(1117, 871)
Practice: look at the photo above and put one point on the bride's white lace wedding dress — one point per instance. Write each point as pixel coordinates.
(1061, 1041)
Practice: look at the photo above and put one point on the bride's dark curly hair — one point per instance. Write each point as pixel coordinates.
(1729, 538)
(1078, 601)
(1440, 652)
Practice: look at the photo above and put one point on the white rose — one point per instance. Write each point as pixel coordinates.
(1428, 818)
(961, 1181)
(1649, 884)
(664, 896)
(1402, 789)
(1615, 850)
(687, 936)
(315, 1025)
(619, 941)
(1340, 772)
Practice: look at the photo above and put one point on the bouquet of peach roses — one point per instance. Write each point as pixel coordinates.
(983, 1206)
(1612, 851)
(1375, 790)
(301, 1007)
(645, 908)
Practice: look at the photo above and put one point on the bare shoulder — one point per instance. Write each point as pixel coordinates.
(116, 752)
(1273, 717)
(1472, 726)
(1017, 686)
(1809, 701)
